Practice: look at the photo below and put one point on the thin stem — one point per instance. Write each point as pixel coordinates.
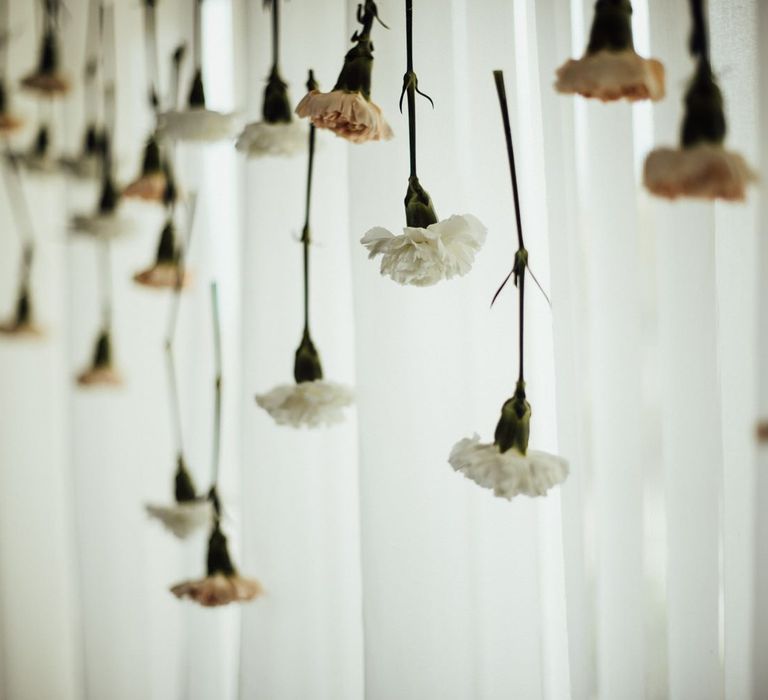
(19, 205)
(152, 54)
(105, 282)
(699, 37)
(521, 258)
(275, 35)
(411, 84)
(197, 50)
(217, 396)
(306, 237)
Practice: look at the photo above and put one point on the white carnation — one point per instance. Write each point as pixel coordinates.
(612, 75)
(266, 139)
(183, 519)
(509, 473)
(102, 225)
(197, 124)
(307, 404)
(425, 256)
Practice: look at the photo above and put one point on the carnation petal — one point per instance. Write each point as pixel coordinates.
(308, 404)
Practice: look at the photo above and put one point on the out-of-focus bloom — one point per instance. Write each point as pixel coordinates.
(347, 114)
(183, 519)
(196, 122)
(151, 183)
(87, 164)
(611, 69)
(307, 404)
(38, 158)
(9, 122)
(265, 139)
(165, 271)
(101, 372)
(223, 584)
(107, 221)
(425, 256)
(701, 167)
(612, 75)
(47, 79)
(509, 473)
(22, 324)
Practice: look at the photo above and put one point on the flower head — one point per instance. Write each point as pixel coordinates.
(106, 221)
(347, 114)
(38, 157)
(47, 79)
(196, 122)
(9, 122)
(102, 371)
(189, 513)
(309, 404)
(22, 323)
(611, 69)
(152, 181)
(424, 256)
(267, 139)
(166, 272)
(223, 584)
(701, 167)
(88, 163)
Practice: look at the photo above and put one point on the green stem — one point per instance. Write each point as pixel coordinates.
(218, 377)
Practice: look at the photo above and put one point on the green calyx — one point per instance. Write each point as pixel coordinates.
(184, 487)
(197, 93)
(219, 561)
(307, 366)
(355, 75)
(151, 162)
(92, 143)
(23, 307)
(611, 27)
(514, 427)
(166, 249)
(42, 141)
(102, 356)
(419, 211)
(109, 196)
(49, 55)
(277, 105)
(704, 120)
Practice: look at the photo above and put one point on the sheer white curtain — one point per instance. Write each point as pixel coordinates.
(388, 575)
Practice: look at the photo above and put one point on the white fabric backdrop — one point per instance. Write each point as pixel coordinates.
(389, 576)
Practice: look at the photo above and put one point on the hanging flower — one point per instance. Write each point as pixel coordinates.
(87, 164)
(197, 123)
(47, 80)
(22, 323)
(189, 513)
(423, 256)
(9, 122)
(701, 167)
(223, 584)
(101, 371)
(266, 139)
(347, 110)
(38, 158)
(611, 69)
(106, 221)
(151, 183)
(166, 272)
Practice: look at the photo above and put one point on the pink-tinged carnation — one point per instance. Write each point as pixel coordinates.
(705, 171)
(150, 188)
(161, 276)
(24, 329)
(219, 589)
(347, 114)
(103, 375)
(612, 75)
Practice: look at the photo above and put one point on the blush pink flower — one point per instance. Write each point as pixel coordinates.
(347, 114)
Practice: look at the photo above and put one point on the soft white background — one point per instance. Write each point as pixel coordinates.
(389, 576)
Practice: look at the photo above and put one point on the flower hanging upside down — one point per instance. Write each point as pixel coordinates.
(611, 69)
(152, 182)
(428, 250)
(167, 271)
(223, 584)
(47, 79)
(102, 371)
(22, 323)
(347, 110)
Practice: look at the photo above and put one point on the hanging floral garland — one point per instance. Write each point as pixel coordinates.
(277, 134)
(348, 110)
(611, 69)
(195, 122)
(701, 167)
(311, 401)
(507, 466)
(428, 250)
(222, 584)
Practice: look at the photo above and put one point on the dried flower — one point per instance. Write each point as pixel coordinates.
(611, 69)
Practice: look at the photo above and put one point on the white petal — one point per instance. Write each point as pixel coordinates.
(308, 404)
(265, 139)
(202, 125)
(182, 519)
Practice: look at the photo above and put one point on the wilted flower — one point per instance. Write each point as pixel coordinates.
(47, 79)
(701, 167)
(611, 69)
(196, 122)
(101, 371)
(509, 473)
(165, 271)
(223, 584)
